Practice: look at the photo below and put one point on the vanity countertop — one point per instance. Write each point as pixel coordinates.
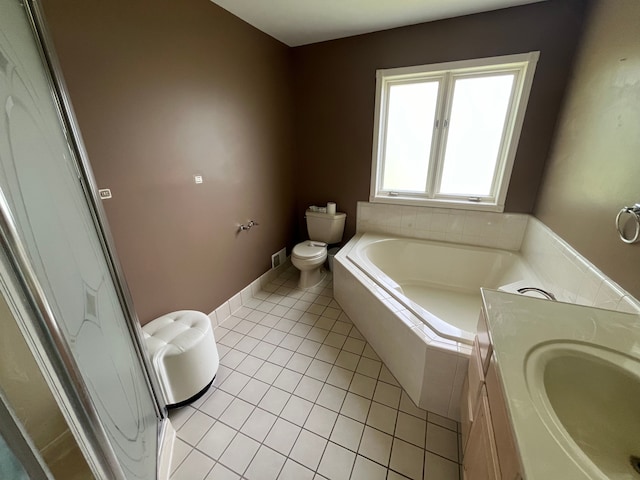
(518, 327)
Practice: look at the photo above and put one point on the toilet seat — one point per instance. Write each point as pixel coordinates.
(309, 250)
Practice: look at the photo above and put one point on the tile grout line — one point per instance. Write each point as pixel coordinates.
(323, 383)
(347, 391)
(371, 400)
(333, 364)
(365, 424)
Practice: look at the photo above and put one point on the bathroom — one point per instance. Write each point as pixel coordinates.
(164, 94)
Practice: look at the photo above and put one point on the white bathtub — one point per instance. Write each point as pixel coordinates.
(417, 303)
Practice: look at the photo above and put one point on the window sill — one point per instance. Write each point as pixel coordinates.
(438, 203)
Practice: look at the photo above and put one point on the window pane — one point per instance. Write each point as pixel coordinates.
(475, 131)
(412, 110)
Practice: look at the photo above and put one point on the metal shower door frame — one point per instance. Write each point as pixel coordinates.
(31, 308)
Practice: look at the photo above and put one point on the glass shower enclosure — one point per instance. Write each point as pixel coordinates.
(58, 272)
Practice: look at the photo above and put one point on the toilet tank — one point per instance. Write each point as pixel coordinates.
(325, 227)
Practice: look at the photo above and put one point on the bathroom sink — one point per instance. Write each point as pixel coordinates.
(589, 399)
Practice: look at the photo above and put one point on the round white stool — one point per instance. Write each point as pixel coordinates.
(183, 353)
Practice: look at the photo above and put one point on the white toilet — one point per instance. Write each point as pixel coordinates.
(309, 256)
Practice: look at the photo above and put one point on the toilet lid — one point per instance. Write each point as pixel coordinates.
(308, 250)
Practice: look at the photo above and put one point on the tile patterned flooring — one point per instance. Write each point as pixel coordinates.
(301, 395)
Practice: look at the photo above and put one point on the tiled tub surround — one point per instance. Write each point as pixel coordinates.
(484, 229)
(570, 276)
(429, 367)
(417, 303)
(301, 395)
(438, 281)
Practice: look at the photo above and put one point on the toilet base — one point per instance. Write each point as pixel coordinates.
(311, 278)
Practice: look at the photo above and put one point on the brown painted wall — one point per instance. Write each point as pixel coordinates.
(335, 88)
(164, 90)
(594, 169)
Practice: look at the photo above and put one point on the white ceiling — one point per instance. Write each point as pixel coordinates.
(299, 22)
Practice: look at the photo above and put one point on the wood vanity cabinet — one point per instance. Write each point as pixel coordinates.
(489, 451)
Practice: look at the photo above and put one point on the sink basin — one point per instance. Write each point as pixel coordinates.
(589, 399)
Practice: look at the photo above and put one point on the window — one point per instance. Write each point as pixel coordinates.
(448, 133)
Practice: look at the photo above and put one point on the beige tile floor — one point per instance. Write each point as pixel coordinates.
(301, 395)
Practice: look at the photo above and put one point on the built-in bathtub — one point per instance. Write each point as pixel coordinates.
(417, 303)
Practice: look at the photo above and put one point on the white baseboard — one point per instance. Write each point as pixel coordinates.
(224, 311)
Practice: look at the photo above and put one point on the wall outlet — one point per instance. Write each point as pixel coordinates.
(197, 179)
(278, 258)
(104, 193)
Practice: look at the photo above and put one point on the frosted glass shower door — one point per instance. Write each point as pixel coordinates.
(55, 225)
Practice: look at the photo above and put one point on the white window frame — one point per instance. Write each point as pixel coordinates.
(523, 65)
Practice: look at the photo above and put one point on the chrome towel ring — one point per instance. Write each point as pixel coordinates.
(635, 212)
